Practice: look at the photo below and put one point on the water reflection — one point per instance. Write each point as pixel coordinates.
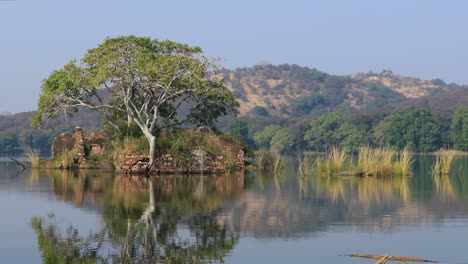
(202, 218)
(284, 206)
(147, 220)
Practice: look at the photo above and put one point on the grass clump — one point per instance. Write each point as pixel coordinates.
(379, 162)
(443, 163)
(405, 160)
(306, 165)
(65, 160)
(333, 162)
(33, 156)
(376, 161)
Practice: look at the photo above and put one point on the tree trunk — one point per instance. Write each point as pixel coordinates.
(152, 143)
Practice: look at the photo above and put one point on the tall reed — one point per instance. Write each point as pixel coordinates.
(405, 160)
(443, 163)
(333, 162)
(33, 156)
(305, 165)
(278, 163)
(376, 161)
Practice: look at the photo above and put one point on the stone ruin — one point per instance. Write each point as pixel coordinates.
(85, 145)
(201, 162)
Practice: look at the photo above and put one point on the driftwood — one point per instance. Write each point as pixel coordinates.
(350, 174)
(18, 164)
(381, 259)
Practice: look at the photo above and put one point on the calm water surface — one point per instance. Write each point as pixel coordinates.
(93, 216)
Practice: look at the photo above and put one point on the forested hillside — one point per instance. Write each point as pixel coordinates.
(289, 107)
(292, 90)
(16, 131)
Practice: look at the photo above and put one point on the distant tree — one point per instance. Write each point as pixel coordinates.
(259, 110)
(414, 128)
(282, 140)
(241, 130)
(275, 138)
(305, 104)
(438, 81)
(263, 138)
(459, 128)
(149, 81)
(37, 140)
(331, 129)
(321, 134)
(318, 75)
(8, 141)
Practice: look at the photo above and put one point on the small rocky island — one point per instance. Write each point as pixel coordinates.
(209, 153)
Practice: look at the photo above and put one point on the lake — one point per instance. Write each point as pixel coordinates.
(52, 216)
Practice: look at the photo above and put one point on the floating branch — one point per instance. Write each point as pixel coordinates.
(18, 164)
(384, 258)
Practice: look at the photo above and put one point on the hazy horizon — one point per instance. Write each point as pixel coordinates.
(422, 39)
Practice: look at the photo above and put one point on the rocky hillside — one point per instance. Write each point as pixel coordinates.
(292, 90)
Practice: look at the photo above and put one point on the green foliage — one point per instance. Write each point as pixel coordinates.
(8, 141)
(259, 110)
(275, 138)
(37, 139)
(282, 140)
(65, 159)
(459, 128)
(438, 82)
(305, 104)
(158, 85)
(263, 138)
(415, 129)
(331, 129)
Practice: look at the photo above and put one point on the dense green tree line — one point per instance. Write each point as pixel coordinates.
(416, 128)
(36, 139)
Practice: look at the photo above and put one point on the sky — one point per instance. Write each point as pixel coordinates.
(422, 38)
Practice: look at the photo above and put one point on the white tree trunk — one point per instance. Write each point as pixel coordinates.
(152, 143)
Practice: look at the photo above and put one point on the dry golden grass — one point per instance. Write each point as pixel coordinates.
(443, 163)
(333, 162)
(33, 156)
(306, 165)
(404, 162)
(376, 161)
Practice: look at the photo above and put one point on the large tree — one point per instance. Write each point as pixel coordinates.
(459, 128)
(414, 128)
(332, 129)
(156, 84)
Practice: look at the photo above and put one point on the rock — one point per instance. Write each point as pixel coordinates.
(63, 142)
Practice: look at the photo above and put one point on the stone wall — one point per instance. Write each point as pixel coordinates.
(200, 162)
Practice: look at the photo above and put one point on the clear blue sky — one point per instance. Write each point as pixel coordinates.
(422, 38)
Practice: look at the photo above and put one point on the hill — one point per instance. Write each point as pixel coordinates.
(291, 90)
(289, 95)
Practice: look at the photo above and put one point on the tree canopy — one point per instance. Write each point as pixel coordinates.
(331, 129)
(459, 128)
(414, 128)
(155, 84)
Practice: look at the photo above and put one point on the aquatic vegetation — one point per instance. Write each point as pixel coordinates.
(278, 164)
(33, 156)
(379, 162)
(306, 166)
(404, 162)
(443, 163)
(333, 162)
(269, 161)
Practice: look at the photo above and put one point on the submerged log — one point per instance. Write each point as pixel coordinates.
(383, 260)
(18, 164)
(386, 258)
(350, 174)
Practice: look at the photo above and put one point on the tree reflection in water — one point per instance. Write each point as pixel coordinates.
(165, 219)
